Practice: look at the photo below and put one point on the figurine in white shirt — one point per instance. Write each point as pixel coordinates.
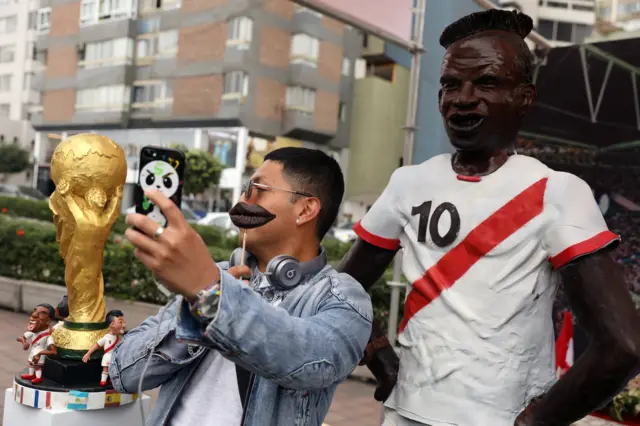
(38, 341)
(108, 342)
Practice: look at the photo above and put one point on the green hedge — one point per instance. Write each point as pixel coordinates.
(30, 252)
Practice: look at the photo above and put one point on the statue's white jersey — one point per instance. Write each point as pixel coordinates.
(477, 339)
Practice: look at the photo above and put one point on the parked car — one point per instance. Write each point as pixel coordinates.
(343, 233)
(186, 211)
(221, 220)
(20, 191)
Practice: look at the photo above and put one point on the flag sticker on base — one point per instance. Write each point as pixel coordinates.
(78, 400)
(111, 399)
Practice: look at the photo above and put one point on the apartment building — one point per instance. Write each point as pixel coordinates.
(228, 76)
(378, 115)
(563, 22)
(18, 22)
(624, 14)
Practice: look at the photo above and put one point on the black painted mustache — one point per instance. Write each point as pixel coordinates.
(248, 216)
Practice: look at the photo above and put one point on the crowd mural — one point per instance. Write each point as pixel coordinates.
(614, 179)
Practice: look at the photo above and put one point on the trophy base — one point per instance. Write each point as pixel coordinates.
(50, 404)
(73, 340)
(71, 373)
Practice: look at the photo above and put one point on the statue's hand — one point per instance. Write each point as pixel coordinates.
(112, 210)
(63, 187)
(384, 364)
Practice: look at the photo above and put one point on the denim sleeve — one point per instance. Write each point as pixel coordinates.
(130, 356)
(320, 350)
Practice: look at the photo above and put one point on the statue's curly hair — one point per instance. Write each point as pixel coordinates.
(491, 20)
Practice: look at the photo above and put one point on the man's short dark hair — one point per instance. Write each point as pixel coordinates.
(63, 307)
(491, 20)
(111, 315)
(48, 307)
(314, 172)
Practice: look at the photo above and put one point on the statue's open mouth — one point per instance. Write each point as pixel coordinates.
(248, 216)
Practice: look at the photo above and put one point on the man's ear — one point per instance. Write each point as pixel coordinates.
(528, 98)
(310, 209)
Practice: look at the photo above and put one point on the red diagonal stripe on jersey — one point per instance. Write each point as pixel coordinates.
(480, 241)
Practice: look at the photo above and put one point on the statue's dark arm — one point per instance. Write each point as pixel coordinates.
(598, 296)
(366, 263)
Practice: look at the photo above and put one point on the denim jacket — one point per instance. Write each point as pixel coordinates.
(299, 350)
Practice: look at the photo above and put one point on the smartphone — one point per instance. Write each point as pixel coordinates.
(161, 169)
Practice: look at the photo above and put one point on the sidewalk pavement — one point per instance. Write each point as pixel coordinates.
(353, 404)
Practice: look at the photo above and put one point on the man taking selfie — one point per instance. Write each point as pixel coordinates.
(269, 353)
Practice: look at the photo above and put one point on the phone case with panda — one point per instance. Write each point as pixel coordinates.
(161, 169)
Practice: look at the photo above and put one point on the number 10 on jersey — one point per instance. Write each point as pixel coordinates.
(432, 220)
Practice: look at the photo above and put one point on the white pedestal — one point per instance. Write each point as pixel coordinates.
(16, 414)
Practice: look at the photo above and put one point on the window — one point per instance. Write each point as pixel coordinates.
(32, 21)
(240, 33)
(5, 82)
(563, 31)
(151, 94)
(146, 26)
(583, 7)
(5, 110)
(342, 112)
(28, 78)
(384, 70)
(301, 9)
(30, 52)
(8, 24)
(301, 99)
(7, 53)
(236, 85)
(94, 11)
(346, 67)
(360, 69)
(152, 6)
(164, 44)
(545, 28)
(106, 53)
(43, 20)
(105, 98)
(304, 50)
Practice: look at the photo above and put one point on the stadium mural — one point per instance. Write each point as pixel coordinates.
(613, 177)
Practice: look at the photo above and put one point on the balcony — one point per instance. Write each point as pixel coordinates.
(115, 114)
(158, 110)
(300, 124)
(106, 72)
(105, 30)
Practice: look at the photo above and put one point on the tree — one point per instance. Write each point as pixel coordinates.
(203, 170)
(13, 159)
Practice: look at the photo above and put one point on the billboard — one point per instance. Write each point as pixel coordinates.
(387, 19)
(258, 148)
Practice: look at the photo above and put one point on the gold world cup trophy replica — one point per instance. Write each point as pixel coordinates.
(89, 171)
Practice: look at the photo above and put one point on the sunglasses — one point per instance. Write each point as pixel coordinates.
(247, 189)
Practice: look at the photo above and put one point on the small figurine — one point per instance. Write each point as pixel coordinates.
(39, 340)
(117, 326)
